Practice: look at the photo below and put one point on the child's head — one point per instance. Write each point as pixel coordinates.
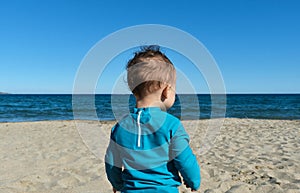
(149, 71)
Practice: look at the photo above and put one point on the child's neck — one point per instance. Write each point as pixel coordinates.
(149, 102)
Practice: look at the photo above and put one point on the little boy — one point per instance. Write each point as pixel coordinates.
(149, 147)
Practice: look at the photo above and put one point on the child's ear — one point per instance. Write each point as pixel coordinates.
(164, 94)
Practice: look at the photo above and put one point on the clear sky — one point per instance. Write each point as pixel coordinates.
(256, 43)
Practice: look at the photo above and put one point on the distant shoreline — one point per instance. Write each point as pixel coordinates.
(17, 107)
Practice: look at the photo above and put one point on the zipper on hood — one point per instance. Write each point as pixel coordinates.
(139, 129)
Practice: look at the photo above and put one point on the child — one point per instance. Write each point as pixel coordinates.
(149, 147)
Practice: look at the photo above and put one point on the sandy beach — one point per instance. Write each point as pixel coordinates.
(248, 155)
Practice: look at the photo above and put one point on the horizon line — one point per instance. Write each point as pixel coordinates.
(3, 93)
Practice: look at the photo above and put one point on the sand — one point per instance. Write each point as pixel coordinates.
(247, 155)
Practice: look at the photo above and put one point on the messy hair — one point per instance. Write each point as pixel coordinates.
(148, 70)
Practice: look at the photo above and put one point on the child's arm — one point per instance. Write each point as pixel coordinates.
(113, 166)
(184, 159)
(114, 176)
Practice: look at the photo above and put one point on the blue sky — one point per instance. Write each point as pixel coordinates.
(256, 43)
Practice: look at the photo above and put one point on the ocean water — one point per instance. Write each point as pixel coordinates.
(16, 108)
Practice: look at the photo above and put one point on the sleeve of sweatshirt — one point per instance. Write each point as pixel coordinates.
(113, 165)
(184, 159)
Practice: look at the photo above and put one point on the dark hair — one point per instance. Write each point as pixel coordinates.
(148, 70)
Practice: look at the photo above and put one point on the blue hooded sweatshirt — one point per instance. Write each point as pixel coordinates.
(147, 150)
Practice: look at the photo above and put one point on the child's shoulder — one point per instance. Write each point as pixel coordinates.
(173, 119)
(158, 118)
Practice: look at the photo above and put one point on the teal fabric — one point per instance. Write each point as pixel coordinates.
(148, 157)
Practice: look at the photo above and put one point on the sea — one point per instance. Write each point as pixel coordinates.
(105, 107)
